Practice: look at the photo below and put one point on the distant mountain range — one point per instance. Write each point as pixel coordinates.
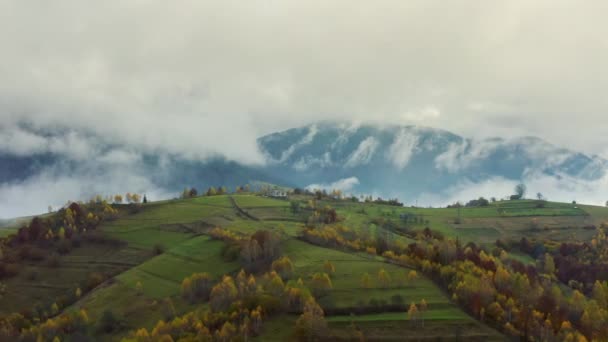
(389, 161)
(406, 161)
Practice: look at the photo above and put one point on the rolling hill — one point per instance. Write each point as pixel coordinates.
(145, 255)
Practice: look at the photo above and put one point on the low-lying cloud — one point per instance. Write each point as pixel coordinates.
(344, 185)
(559, 189)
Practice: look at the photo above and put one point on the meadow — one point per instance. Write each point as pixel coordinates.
(167, 241)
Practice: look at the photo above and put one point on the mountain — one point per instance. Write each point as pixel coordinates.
(407, 162)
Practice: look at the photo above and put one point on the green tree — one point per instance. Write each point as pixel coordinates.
(520, 190)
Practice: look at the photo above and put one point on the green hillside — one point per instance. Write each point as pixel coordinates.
(150, 251)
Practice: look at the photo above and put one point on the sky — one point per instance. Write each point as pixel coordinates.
(200, 78)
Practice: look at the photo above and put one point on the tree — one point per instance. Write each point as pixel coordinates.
(520, 190)
(412, 312)
(412, 275)
(107, 323)
(193, 192)
(167, 309)
(295, 206)
(145, 199)
(118, 199)
(78, 293)
(384, 278)
(223, 294)
(284, 267)
(548, 264)
(321, 284)
(197, 287)
(139, 288)
(423, 307)
(311, 325)
(539, 196)
(329, 268)
(366, 281)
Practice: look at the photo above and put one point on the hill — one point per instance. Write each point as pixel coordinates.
(129, 272)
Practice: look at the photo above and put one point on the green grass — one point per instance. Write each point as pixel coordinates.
(37, 283)
(449, 313)
(162, 275)
(253, 201)
(178, 224)
(4, 232)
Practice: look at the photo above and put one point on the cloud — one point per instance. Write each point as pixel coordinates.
(403, 147)
(459, 156)
(364, 152)
(308, 162)
(307, 139)
(34, 195)
(560, 189)
(344, 184)
(210, 76)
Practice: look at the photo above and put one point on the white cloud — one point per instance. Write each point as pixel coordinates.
(344, 184)
(403, 148)
(308, 162)
(34, 195)
(307, 139)
(211, 76)
(459, 156)
(364, 152)
(562, 189)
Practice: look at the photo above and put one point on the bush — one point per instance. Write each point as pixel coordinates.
(230, 252)
(93, 280)
(108, 323)
(158, 249)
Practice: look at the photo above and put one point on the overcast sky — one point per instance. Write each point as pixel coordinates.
(180, 75)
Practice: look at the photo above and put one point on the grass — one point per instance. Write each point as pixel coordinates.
(4, 232)
(162, 275)
(177, 225)
(253, 201)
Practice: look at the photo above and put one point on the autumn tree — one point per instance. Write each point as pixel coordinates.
(412, 275)
(283, 266)
(384, 279)
(320, 284)
(412, 312)
(329, 268)
(366, 281)
(311, 325)
(223, 294)
(197, 287)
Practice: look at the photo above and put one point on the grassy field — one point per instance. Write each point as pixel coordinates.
(177, 228)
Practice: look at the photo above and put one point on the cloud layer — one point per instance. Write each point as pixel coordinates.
(204, 77)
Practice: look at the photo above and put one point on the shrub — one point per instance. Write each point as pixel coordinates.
(108, 323)
(158, 249)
